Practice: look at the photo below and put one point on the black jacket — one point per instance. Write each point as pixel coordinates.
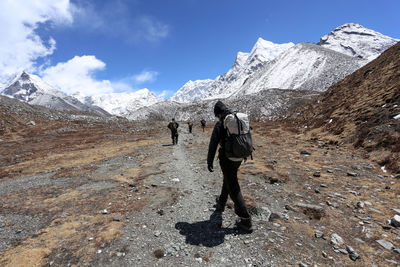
(171, 126)
(219, 133)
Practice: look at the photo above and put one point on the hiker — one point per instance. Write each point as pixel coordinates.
(203, 124)
(190, 124)
(173, 126)
(229, 167)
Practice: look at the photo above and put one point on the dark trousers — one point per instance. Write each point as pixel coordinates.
(231, 186)
(174, 136)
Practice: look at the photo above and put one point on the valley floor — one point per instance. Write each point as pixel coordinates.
(98, 196)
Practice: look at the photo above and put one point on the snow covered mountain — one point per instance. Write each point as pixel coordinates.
(301, 67)
(225, 85)
(305, 66)
(244, 66)
(357, 41)
(122, 104)
(192, 91)
(33, 90)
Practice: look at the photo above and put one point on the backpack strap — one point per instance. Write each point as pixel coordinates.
(240, 126)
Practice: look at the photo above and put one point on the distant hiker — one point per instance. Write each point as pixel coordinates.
(232, 134)
(203, 124)
(190, 124)
(173, 126)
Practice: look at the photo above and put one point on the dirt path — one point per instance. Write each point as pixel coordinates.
(137, 201)
(185, 232)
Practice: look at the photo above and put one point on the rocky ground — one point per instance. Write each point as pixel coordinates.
(102, 194)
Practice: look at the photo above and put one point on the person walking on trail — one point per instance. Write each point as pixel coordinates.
(229, 167)
(203, 124)
(190, 124)
(173, 126)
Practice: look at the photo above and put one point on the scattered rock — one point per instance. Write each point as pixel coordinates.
(312, 211)
(324, 254)
(104, 211)
(375, 210)
(397, 210)
(317, 174)
(316, 190)
(323, 185)
(288, 207)
(360, 204)
(302, 264)
(306, 153)
(343, 251)
(395, 221)
(160, 212)
(352, 174)
(32, 123)
(159, 253)
(352, 254)
(319, 234)
(386, 244)
(117, 218)
(277, 215)
(336, 240)
(157, 233)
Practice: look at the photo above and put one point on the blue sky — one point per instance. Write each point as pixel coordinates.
(161, 44)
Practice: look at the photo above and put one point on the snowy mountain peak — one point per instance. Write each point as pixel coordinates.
(265, 50)
(241, 59)
(192, 91)
(25, 86)
(357, 41)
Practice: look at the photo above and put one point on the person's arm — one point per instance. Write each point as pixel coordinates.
(212, 147)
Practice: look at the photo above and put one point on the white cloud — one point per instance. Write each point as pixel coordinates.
(76, 76)
(151, 29)
(116, 19)
(165, 94)
(20, 45)
(145, 76)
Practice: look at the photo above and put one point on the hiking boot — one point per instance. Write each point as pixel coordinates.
(219, 207)
(245, 225)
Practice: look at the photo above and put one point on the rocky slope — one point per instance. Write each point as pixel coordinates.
(33, 90)
(263, 105)
(363, 110)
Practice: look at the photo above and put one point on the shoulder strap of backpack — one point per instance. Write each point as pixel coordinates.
(239, 123)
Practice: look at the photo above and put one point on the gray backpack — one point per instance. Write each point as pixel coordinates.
(238, 143)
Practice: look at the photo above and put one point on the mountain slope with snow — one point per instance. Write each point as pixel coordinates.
(192, 91)
(303, 67)
(244, 66)
(357, 41)
(225, 85)
(32, 89)
(123, 104)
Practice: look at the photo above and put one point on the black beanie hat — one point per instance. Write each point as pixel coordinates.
(219, 108)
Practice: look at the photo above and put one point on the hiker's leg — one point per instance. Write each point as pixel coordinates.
(230, 169)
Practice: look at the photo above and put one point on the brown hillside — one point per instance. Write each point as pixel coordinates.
(360, 110)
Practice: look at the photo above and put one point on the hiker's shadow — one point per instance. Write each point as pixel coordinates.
(206, 233)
